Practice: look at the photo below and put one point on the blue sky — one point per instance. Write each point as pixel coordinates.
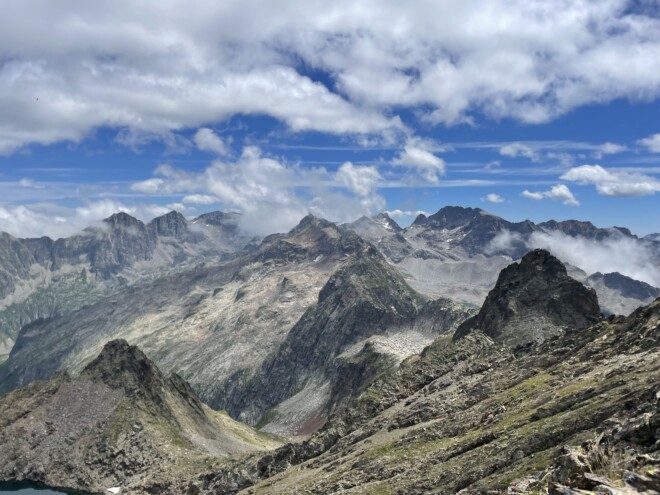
(538, 111)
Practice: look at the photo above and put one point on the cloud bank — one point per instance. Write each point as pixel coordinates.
(616, 253)
(155, 68)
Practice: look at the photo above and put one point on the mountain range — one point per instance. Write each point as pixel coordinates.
(446, 356)
(459, 252)
(41, 278)
(572, 408)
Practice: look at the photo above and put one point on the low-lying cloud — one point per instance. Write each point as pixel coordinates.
(616, 253)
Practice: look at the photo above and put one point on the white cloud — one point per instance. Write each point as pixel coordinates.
(652, 143)
(272, 195)
(37, 220)
(611, 148)
(207, 140)
(405, 213)
(613, 183)
(418, 156)
(149, 186)
(68, 70)
(515, 150)
(620, 254)
(493, 198)
(560, 192)
(199, 199)
(360, 180)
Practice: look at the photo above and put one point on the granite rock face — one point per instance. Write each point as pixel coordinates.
(532, 301)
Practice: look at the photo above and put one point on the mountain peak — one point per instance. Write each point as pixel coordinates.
(386, 221)
(310, 221)
(172, 224)
(451, 217)
(122, 219)
(124, 366)
(218, 218)
(532, 301)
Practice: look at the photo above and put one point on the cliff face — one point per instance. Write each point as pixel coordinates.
(118, 424)
(532, 301)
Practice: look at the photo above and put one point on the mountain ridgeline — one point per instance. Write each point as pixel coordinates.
(459, 253)
(41, 278)
(342, 341)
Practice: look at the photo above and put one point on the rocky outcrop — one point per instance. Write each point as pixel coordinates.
(121, 423)
(532, 301)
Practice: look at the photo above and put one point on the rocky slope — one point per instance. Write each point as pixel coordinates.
(532, 301)
(40, 278)
(459, 252)
(225, 327)
(577, 414)
(120, 423)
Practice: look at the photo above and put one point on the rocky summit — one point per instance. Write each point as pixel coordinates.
(120, 424)
(532, 301)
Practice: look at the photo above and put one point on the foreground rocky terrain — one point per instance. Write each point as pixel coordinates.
(537, 393)
(120, 423)
(575, 413)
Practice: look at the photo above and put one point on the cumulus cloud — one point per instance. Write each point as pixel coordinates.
(613, 183)
(272, 195)
(199, 199)
(360, 180)
(55, 221)
(652, 143)
(207, 140)
(156, 69)
(148, 186)
(418, 155)
(405, 213)
(493, 198)
(515, 150)
(559, 192)
(615, 253)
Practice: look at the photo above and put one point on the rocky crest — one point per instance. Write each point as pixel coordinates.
(532, 301)
(120, 423)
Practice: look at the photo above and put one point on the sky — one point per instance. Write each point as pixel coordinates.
(530, 110)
